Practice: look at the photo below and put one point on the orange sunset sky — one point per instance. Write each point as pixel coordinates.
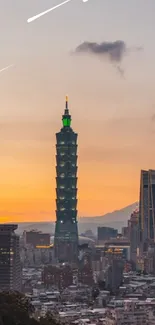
(114, 117)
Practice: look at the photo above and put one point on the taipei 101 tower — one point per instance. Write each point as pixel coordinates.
(66, 230)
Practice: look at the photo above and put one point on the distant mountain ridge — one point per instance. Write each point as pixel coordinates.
(112, 216)
(116, 219)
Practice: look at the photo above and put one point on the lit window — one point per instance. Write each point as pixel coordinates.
(62, 209)
(62, 164)
(62, 186)
(62, 175)
(62, 197)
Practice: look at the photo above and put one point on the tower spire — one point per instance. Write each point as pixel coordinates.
(66, 118)
(66, 107)
(66, 101)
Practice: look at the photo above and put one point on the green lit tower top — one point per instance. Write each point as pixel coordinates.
(66, 118)
(66, 232)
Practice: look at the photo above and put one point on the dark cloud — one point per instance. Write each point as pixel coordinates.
(112, 50)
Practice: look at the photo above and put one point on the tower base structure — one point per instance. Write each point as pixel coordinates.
(66, 242)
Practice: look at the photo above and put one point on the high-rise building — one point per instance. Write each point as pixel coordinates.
(143, 206)
(133, 235)
(36, 238)
(147, 207)
(151, 205)
(113, 274)
(85, 270)
(104, 233)
(66, 231)
(10, 266)
(125, 232)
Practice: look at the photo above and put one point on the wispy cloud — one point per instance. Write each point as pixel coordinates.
(113, 51)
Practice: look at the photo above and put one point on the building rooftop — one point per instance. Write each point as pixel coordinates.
(8, 227)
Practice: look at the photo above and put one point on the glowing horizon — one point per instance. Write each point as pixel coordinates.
(113, 116)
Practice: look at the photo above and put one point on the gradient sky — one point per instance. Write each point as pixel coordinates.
(114, 117)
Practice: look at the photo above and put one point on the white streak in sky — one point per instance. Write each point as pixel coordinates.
(47, 11)
(9, 66)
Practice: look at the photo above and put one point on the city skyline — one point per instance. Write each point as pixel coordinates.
(113, 116)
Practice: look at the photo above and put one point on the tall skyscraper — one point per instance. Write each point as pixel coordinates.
(151, 205)
(66, 231)
(143, 207)
(133, 235)
(10, 266)
(147, 206)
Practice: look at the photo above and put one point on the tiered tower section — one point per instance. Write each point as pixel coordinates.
(66, 231)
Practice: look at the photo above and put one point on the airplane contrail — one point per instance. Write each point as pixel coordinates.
(47, 11)
(9, 66)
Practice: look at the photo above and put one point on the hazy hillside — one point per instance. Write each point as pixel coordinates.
(116, 219)
(118, 215)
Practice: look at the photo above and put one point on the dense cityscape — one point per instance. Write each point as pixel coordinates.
(108, 279)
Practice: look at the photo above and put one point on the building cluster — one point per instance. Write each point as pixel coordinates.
(35, 249)
(75, 304)
(103, 280)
